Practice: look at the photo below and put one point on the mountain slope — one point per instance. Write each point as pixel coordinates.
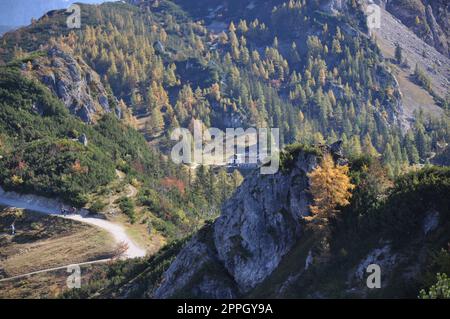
(428, 19)
(68, 99)
(434, 64)
(46, 151)
(262, 247)
(269, 251)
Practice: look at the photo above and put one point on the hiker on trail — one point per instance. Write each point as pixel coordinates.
(13, 229)
(73, 210)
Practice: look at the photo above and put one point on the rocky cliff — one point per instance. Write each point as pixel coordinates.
(428, 19)
(261, 247)
(415, 52)
(73, 82)
(259, 225)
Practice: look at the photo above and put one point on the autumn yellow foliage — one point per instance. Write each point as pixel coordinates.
(330, 187)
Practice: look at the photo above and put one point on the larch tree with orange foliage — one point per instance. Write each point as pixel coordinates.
(330, 187)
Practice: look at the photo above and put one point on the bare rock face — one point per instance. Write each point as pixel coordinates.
(196, 272)
(74, 82)
(259, 225)
(439, 38)
(261, 222)
(427, 18)
(394, 106)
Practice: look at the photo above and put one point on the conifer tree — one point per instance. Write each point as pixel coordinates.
(330, 187)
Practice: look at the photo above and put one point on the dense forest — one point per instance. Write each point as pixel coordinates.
(320, 82)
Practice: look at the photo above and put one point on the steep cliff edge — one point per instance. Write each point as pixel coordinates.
(259, 225)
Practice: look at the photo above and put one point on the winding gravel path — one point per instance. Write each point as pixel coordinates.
(52, 207)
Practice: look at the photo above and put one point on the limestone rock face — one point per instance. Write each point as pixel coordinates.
(433, 20)
(261, 222)
(440, 41)
(74, 82)
(191, 269)
(259, 225)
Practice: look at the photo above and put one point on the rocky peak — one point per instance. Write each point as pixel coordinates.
(259, 225)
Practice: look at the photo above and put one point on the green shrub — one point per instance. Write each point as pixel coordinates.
(128, 208)
(97, 206)
(440, 290)
(290, 153)
(56, 167)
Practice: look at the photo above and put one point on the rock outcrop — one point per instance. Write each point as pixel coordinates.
(261, 222)
(259, 225)
(428, 19)
(439, 41)
(415, 51)
(74, 82)
(197, 272)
